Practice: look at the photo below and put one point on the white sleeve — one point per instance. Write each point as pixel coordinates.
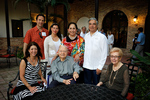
(112, 42)
(46, 50)
(103, 56)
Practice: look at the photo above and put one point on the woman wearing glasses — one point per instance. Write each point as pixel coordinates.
(117, 75)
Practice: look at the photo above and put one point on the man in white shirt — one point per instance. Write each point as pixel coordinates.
(95, 53)
(82, 34)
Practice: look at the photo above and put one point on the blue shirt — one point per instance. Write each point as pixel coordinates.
(141, 39)
(103, 33)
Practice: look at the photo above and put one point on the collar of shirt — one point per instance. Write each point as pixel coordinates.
(36, 29)
(93, 34)
(58, 59)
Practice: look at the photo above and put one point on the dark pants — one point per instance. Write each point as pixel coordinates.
(81, 77)
(55, 83)
(90, 77)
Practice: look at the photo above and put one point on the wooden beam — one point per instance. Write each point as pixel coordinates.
(96, 8)
(65, 21)
(7, 23)
(147, 30)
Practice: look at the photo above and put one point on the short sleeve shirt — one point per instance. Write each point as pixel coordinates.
(141, 39)
(32, 35)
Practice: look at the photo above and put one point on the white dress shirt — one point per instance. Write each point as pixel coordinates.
(110, 39)
(95, 53)
(82, 34)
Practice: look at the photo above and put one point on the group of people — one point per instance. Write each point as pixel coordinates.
(68, 57)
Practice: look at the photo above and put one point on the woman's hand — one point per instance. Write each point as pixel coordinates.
(32, 89)
(44, 80)
(99, 84)
(76, 59)
(67, 82)
(54, 57)
(75, 75)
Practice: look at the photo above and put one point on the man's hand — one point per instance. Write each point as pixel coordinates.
(75, 75)
(44, 80)
(98, 71)
(67, 82)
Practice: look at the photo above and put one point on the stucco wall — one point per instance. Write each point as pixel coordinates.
(20, 12)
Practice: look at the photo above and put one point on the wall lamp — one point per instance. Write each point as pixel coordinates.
(135, 18)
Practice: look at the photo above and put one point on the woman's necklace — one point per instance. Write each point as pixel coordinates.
(33, 62)
(119, 64)
(72, 38)
(54, 38)
(113, 78)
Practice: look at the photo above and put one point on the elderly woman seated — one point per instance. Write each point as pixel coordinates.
(64, 69)
(117, 74)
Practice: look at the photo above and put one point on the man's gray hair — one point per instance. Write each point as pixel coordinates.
(93, 19)
(83, 27)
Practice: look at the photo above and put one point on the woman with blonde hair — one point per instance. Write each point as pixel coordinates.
(117, 74)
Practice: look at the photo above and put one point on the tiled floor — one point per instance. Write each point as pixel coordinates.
(7, 74)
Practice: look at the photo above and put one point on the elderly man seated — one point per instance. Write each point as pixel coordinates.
(64, 69)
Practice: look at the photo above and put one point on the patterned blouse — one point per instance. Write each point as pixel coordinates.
(75, 47)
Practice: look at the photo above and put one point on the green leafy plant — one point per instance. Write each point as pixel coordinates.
(142, 86)
(20, 53)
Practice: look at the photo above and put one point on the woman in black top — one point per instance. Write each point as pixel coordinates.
(117, 74)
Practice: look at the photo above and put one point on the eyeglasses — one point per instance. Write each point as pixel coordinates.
(114, 57)
(40, 35)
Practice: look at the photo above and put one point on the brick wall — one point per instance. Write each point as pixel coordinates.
(13, 42)
(131, 8)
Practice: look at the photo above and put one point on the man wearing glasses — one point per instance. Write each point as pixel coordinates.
(36, 34)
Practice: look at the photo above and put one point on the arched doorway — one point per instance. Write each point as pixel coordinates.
(117, 22)
(83, 21)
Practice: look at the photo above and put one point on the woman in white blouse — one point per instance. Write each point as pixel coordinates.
(52, 43)
(110, 41)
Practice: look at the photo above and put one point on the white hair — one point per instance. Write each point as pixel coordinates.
(93, 19)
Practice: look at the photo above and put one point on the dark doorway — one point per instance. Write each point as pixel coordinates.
(17, 28)
(117, 22)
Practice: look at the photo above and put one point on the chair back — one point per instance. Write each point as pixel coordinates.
(12, 50)
(133, 72)
(43, 66)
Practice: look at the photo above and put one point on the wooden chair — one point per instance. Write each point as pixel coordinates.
(133, 72)
(11, 52)
(12, 87)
